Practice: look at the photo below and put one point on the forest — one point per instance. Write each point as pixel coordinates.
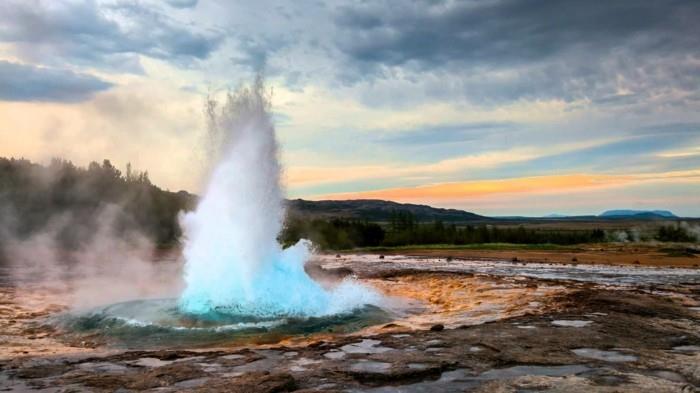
(34, 197)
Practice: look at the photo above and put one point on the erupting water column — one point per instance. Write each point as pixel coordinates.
(234, 263)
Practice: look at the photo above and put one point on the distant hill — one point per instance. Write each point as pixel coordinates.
(555, 215)
(624, 213)
(377, 210)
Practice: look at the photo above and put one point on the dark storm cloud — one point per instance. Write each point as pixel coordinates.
(512, 49)
(20, 82)
(514, 31)
(83, 32)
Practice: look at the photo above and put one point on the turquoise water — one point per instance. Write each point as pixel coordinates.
(161, 323)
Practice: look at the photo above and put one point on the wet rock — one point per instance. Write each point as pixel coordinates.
(375, 372)
(608, 379)
(365, 346)
(150, 362)
(235, 356)
(102, 367)
(165, 376)
(106, 382)
(258, 382)
(370, 367)
(571, 323)
(526, 327)
(606, 356)
(41, 371)
(437, 327)
(518, 371)
(303, 364)
(334, 355)
(687, 348)
(172, 355)
(668, 375)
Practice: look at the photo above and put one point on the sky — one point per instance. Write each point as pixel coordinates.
(499, 107)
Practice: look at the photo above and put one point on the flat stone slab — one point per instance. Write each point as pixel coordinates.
(606, 356)
(366, 346)
(571, 323)
(370, 366)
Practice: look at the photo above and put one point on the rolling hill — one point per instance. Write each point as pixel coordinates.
(642, 214)
(377, 210)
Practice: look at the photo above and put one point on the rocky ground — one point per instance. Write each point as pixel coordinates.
(463, 331)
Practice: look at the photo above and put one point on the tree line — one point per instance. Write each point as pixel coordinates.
(34, 197)
(338, 233)
(403, 229)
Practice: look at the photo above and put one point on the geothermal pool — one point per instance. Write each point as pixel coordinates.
(416, 293)
(160, 323)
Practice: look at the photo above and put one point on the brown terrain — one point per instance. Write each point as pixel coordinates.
(460, 330)
(644, 255)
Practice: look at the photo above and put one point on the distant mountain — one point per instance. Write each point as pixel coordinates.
(638, 214)
(555, 215)
(377, 210)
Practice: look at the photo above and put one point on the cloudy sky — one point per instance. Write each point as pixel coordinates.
(498, 106)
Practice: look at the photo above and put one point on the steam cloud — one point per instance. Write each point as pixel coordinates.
(108, 266)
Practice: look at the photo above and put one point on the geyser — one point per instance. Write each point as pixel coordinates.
(233, 262)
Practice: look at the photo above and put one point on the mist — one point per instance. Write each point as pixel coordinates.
(86, 249)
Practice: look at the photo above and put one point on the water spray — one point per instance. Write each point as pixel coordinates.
(234, 263)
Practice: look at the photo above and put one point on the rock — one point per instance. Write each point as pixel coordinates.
(41, 371)
(258, 382)
(98, 381)
(381, 257)
(571, 323)
(377, 373)
(365, 346)
(165, 376)
(437, 328)
(515, 259)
